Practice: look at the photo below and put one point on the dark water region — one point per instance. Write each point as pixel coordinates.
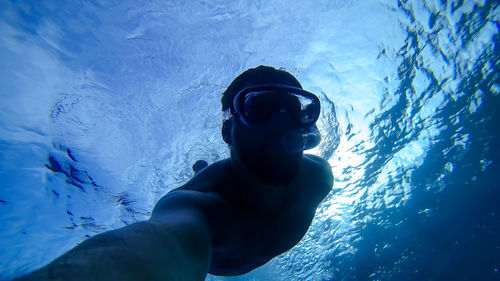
(449, 228)
(450, 234)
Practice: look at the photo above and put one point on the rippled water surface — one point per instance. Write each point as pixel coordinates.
(105, 105)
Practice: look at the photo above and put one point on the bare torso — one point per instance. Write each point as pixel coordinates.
(249, 231)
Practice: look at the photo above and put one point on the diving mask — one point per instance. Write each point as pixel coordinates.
(258, 104)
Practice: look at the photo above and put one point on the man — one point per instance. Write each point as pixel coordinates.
(232, 216)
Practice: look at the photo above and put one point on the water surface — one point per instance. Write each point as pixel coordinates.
(105, 105)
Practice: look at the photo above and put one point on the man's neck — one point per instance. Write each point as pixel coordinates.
(256, 193)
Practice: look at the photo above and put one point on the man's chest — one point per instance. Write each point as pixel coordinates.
(257, 233)
(260, 228)
(271, 236)
(248, 241)
(250, 229)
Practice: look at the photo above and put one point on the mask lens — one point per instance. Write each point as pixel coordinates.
(260, 106)
(308, 114)
(301, 107)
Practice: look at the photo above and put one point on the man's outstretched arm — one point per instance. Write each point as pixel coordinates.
(175, 244)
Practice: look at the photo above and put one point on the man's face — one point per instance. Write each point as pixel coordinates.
(260, 147)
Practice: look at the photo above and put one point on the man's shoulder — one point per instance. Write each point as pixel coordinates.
(208, 178)
(203, 190)
(184, 198)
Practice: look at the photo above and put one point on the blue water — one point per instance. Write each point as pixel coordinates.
(105, 105)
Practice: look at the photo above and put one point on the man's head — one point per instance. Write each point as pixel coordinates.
(271, 147)
(257, 76)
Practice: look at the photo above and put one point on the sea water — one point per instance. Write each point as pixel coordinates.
(105, 106)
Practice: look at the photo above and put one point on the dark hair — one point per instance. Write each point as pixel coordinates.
(255, 76)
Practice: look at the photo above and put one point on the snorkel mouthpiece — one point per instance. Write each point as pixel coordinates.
(294, 142)
(311, 137)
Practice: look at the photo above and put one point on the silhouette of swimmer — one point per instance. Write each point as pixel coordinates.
(233, 215)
